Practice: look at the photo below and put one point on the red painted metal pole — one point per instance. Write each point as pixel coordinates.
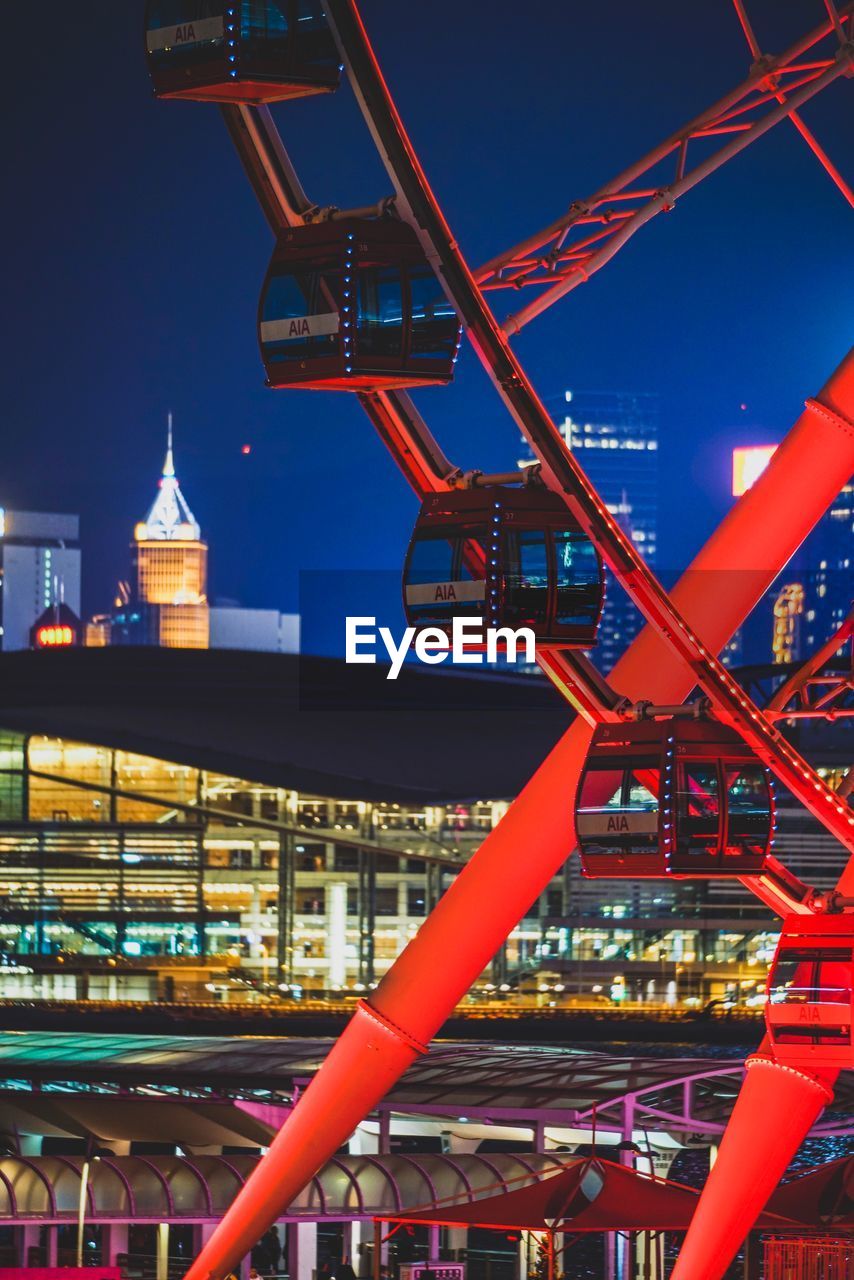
(774, 1112)
(368, 1058)
(532, 841)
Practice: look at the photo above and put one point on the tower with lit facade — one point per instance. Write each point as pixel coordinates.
(828, 558)
(171, 570)
(615, 436)
(39, 570)
(812, 596)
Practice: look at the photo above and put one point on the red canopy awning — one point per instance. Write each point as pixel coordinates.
(821, 1197)
(589, 1195)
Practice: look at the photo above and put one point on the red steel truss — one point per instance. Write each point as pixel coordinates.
(575, 246)
(559, 468)
(809, 695)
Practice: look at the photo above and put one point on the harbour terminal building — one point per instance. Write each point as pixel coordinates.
(196, 825)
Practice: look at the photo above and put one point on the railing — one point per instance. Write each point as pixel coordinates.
(809, 1258)
(278, 1010)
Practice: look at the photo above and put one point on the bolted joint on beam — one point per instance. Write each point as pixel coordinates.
(810, 1082)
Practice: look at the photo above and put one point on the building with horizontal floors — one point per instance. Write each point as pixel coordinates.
(828, 560)
(615, 438)
(39, 568)
(166, 602)
(208, 818)
(171, 571)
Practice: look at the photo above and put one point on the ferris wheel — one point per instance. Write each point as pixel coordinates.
(376, 301)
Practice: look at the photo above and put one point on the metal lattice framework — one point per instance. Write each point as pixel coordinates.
(574, 247)
(687, 628)
(808, 1258)
(812, 693)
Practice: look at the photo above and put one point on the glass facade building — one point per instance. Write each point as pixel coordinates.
(811, 597)
(828, 559)
(194, 881)
(615, 436)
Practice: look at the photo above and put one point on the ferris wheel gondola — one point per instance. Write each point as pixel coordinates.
(389, 1030)
(673, 798)
(810, 1006)
(352, 305)
(506, 557)
(239, 51)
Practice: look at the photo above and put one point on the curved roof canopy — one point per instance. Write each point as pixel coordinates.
(176, 1188)
(313, 725)
(508, 1191)
(513, 1084)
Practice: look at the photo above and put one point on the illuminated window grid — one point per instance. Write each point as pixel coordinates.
(171, 572)
(184, 626)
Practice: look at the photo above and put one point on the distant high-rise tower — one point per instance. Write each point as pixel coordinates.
(812, 596)
(39, 569)
(828, 558)
(171, 565)
(614, 435)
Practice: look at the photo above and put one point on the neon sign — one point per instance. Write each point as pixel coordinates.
(56, 636)
(748, 463)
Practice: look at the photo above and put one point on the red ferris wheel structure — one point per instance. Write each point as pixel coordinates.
(316, 329)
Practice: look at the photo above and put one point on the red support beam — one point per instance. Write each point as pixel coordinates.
(774, 1112)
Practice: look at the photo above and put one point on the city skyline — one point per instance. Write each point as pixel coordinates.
(226, 590)
(221, 823)
(632, 497)
(185, 338)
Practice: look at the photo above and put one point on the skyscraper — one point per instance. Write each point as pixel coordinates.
(169, 605)
(39, 568)
(828, 560)
(166, 602)
(812, 596)
(614, 435)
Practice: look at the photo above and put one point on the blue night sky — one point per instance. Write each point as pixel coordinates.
(135, 253)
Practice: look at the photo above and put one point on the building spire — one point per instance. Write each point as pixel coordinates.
(169, 464)
(169, 517)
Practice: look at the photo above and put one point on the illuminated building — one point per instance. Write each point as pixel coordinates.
(171, 566)
(57, 628)
(828, 559)
(39, 568)
(802, 613)
(167, 604)
(200, 816)
(615, 436)
(788, 610)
